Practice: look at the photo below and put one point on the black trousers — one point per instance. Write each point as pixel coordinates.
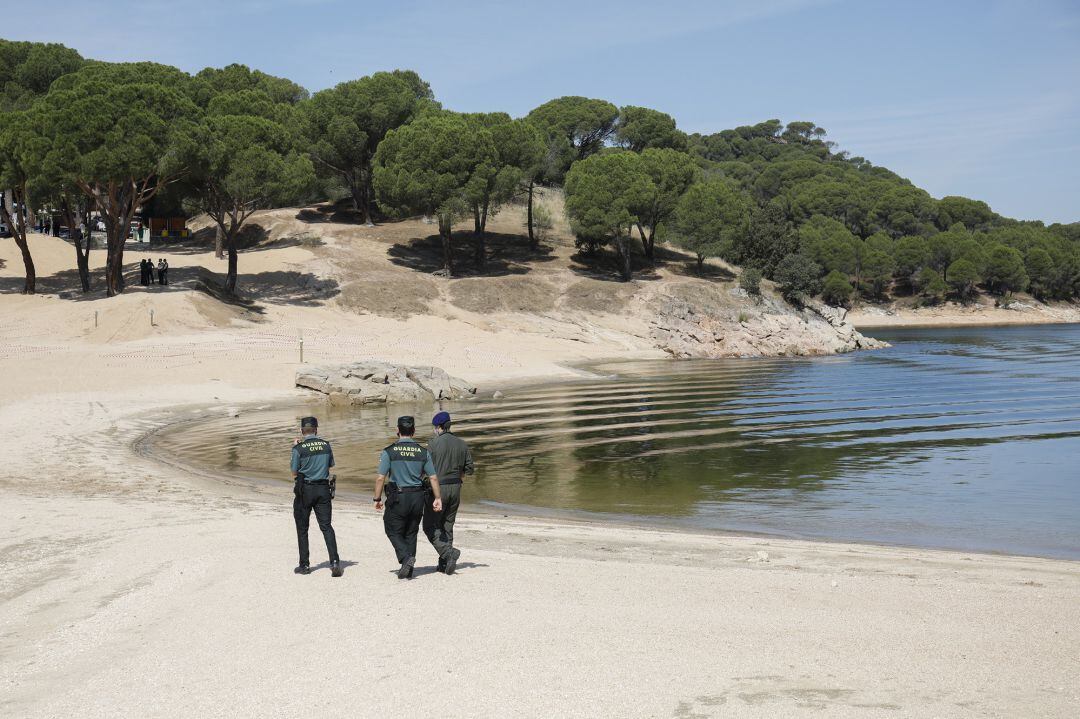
(439, 526)
(401, 520)
(314, 497)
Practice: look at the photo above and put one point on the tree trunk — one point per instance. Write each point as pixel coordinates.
(700, 264)
(115, 230)
(646, 241)
(481, 239)
(230, 277)
(532, 237)
(360, 189)
(219, 243)
(82, 245)
(16, 222)
(448, 254)
(622, 248)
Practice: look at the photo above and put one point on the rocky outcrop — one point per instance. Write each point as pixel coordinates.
(685, 329)
(362, 383)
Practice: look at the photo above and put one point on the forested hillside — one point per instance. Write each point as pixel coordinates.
(82, 139)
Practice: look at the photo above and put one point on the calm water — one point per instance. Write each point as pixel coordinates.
(957, 438)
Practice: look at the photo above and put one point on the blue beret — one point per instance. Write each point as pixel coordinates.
(440, 419)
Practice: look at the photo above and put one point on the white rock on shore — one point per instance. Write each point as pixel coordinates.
(686, 330)
(362, 383)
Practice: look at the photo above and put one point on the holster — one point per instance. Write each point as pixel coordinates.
(392, 494)
(333, 485)
(298, 484)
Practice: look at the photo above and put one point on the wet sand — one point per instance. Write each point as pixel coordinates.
(129, 588)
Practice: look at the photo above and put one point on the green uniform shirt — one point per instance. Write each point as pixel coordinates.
(312, 458)
(406, 463)
(451, 456)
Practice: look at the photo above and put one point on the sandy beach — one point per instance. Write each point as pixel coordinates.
(132, 588)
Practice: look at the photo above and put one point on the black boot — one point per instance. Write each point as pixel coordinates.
(335, 568)
(302, 569)
(451, 561)
(405, 572)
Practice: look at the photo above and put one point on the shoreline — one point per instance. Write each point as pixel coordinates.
(259, 486)
(875, 318)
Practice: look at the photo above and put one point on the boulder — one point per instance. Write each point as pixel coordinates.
(361, 383)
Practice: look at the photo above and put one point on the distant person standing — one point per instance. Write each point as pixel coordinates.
(146, 272)
(452, 459)
(165, 272)
(311, 461)
(405, 464)
(161, 271)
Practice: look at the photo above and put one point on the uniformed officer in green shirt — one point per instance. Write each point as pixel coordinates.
(453, 460)
(405, 463)
(312, 459)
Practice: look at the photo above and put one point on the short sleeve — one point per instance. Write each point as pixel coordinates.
(429, 467)
(384, 463)
(294, 465)
(331, 455)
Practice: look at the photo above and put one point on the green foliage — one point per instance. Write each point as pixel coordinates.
(669, 174)
(973, 214)
(435, 166)
(1005, 270)
(239, 163)
(116, 130)
(911, 255)
(769, 239)
(27, 69)
(877, 270)
(345, 125)
(1041, 272)
(575, 128)
(963, 276)
(641, 128)
(836, 290)
(708, 218)
(750, 281)
(798, 277)
(236, 78)
(932, 289)
(601, 194)
(830, 244)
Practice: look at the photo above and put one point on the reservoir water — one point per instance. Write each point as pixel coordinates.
(954, 438)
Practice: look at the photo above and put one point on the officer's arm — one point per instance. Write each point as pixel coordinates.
(379, 482)
(294, 463)
(469, 466)
(429, 470)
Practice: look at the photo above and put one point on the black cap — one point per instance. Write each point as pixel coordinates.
(406, 424)
(306, 422)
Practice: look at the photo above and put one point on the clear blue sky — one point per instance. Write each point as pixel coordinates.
(974, 98)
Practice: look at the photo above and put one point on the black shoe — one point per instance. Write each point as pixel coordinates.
(335, 568)
(442, 566)
(302, 569)
(405, 572)
(451, 561)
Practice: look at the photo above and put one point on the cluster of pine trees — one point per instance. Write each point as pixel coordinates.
(82, 138)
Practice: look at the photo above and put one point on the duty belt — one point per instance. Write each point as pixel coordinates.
(317, 481)
(404, 490)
